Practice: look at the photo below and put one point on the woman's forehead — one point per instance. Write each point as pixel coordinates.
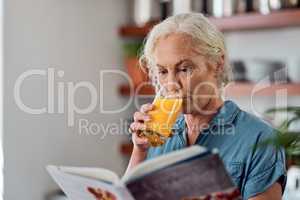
(174, 43)
(174, 48)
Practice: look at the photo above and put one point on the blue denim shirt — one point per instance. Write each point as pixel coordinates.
(234, 133)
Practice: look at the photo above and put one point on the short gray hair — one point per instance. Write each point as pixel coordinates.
(200, 29)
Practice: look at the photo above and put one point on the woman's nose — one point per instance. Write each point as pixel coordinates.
(172, 85)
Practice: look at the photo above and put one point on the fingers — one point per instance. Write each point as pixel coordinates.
(137, 126)
(146, 107)
(142, 114)
(140, 117)
(139, 140)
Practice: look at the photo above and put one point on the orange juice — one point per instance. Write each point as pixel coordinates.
(164, 115)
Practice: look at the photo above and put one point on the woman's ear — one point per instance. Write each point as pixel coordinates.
(144, 66)
(220, 64)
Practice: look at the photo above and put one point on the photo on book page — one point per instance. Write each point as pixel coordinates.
(84, 188)
(101, 194)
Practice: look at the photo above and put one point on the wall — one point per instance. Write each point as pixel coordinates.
(270, 43)
(277, 44)
(80, 38)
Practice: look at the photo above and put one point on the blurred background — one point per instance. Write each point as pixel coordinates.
(76, 39)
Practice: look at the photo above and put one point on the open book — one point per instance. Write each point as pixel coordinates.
(186, 174)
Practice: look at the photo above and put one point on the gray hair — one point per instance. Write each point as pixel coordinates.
(200, 29)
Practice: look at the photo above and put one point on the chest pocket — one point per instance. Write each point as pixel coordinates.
(236, 171)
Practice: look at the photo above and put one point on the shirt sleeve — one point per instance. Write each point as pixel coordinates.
(267, 167)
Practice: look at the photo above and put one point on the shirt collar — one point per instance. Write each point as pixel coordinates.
(226, 114)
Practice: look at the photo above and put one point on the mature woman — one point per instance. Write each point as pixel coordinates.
(186, 55)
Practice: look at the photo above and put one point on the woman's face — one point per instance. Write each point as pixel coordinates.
(183, 70)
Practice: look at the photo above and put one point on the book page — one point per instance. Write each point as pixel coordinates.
(95, 173)
(83, 188)
(162, 161)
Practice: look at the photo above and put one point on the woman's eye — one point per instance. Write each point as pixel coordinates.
(162, 72)
(185, 69)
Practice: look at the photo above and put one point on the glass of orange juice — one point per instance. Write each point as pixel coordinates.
(162, 118)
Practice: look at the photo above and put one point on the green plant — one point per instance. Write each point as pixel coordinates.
(132, 49)
(289, 140)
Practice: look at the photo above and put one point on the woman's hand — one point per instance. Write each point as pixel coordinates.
(141, 144)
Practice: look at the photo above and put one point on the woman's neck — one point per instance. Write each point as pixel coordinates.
(197, 122)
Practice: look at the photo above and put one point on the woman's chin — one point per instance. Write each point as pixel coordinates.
(186, 110)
